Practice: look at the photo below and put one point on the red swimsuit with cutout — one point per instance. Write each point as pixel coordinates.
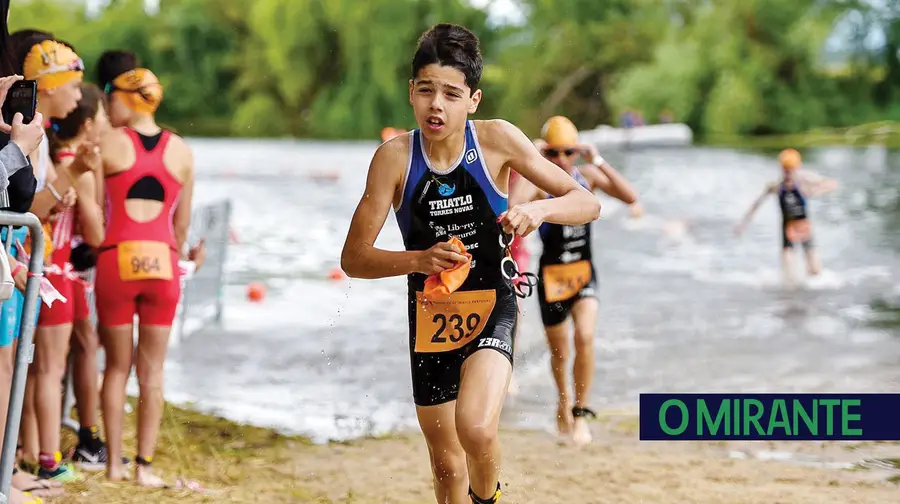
(137, 266)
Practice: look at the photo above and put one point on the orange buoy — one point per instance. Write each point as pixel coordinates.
(389, 132)
(336, 274)
(256, 291)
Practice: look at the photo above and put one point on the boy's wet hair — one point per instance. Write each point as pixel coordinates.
(450, 45)
(113, 64)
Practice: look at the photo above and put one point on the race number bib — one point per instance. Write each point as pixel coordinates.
(564, 281)
(798, 231)
(144, 260)
(450, 323)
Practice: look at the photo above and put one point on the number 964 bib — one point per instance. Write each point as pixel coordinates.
(144, 260)
(450, 323)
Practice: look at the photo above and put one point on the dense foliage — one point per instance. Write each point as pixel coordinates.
(338, 68)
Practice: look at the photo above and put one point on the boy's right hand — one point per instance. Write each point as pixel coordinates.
(440, 257)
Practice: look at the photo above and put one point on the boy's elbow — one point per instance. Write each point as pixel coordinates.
(593, 209)
(348, 264)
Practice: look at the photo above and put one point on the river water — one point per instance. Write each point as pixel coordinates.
(685, 306)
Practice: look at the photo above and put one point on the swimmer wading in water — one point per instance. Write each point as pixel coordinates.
(793, 190)
(567, 286)
(448, 180)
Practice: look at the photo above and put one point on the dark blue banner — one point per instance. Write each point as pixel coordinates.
(770, 417)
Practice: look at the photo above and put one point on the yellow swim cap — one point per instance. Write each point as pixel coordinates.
(140, 90)
(52, 64)
(558, 131)
(790, 159)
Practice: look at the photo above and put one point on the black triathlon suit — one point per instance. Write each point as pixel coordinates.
(462, 202)
(567, 251)
(793, 208)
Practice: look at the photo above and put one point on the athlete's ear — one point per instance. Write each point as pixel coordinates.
(474, 100)
(411, 91)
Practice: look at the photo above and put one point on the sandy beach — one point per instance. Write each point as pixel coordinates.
(244, 464)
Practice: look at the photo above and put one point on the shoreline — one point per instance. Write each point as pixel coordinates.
(241, 464)
(880, 133)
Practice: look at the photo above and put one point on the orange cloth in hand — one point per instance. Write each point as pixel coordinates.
(441, 285)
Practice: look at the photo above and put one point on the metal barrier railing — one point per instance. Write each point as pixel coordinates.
(25, 348)
(201, 296)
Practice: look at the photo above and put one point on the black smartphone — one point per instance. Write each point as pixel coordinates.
(21, 98)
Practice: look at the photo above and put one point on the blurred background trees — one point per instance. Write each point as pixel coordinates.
(338, 68)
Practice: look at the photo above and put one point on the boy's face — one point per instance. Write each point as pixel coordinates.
(441, 100)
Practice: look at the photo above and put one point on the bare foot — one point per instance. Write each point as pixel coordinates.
(37, 487)
(564, 419)
(116, 473)
(581, 432)
(145, 477)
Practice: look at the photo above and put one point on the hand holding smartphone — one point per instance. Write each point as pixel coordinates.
(18, 96)
(18, 114)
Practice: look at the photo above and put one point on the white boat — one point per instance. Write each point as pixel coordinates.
(653, 135)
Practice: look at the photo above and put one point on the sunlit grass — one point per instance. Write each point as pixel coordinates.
(235, 463)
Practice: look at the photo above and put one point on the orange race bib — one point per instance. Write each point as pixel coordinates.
(450, 323)
(144, 260)
(564, 281)
(798, 231)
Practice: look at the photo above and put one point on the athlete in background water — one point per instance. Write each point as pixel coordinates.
(793, 190)
(567, 280)
(448, 179)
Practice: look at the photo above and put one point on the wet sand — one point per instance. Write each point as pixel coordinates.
(243, 464)
(615, 469)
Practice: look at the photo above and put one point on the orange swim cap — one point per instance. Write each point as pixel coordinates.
(790, 159)
(140, 89)
(441, 285)
(52, 64)
(558, 131)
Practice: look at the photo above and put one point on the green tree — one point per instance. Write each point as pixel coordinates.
(567, 56)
